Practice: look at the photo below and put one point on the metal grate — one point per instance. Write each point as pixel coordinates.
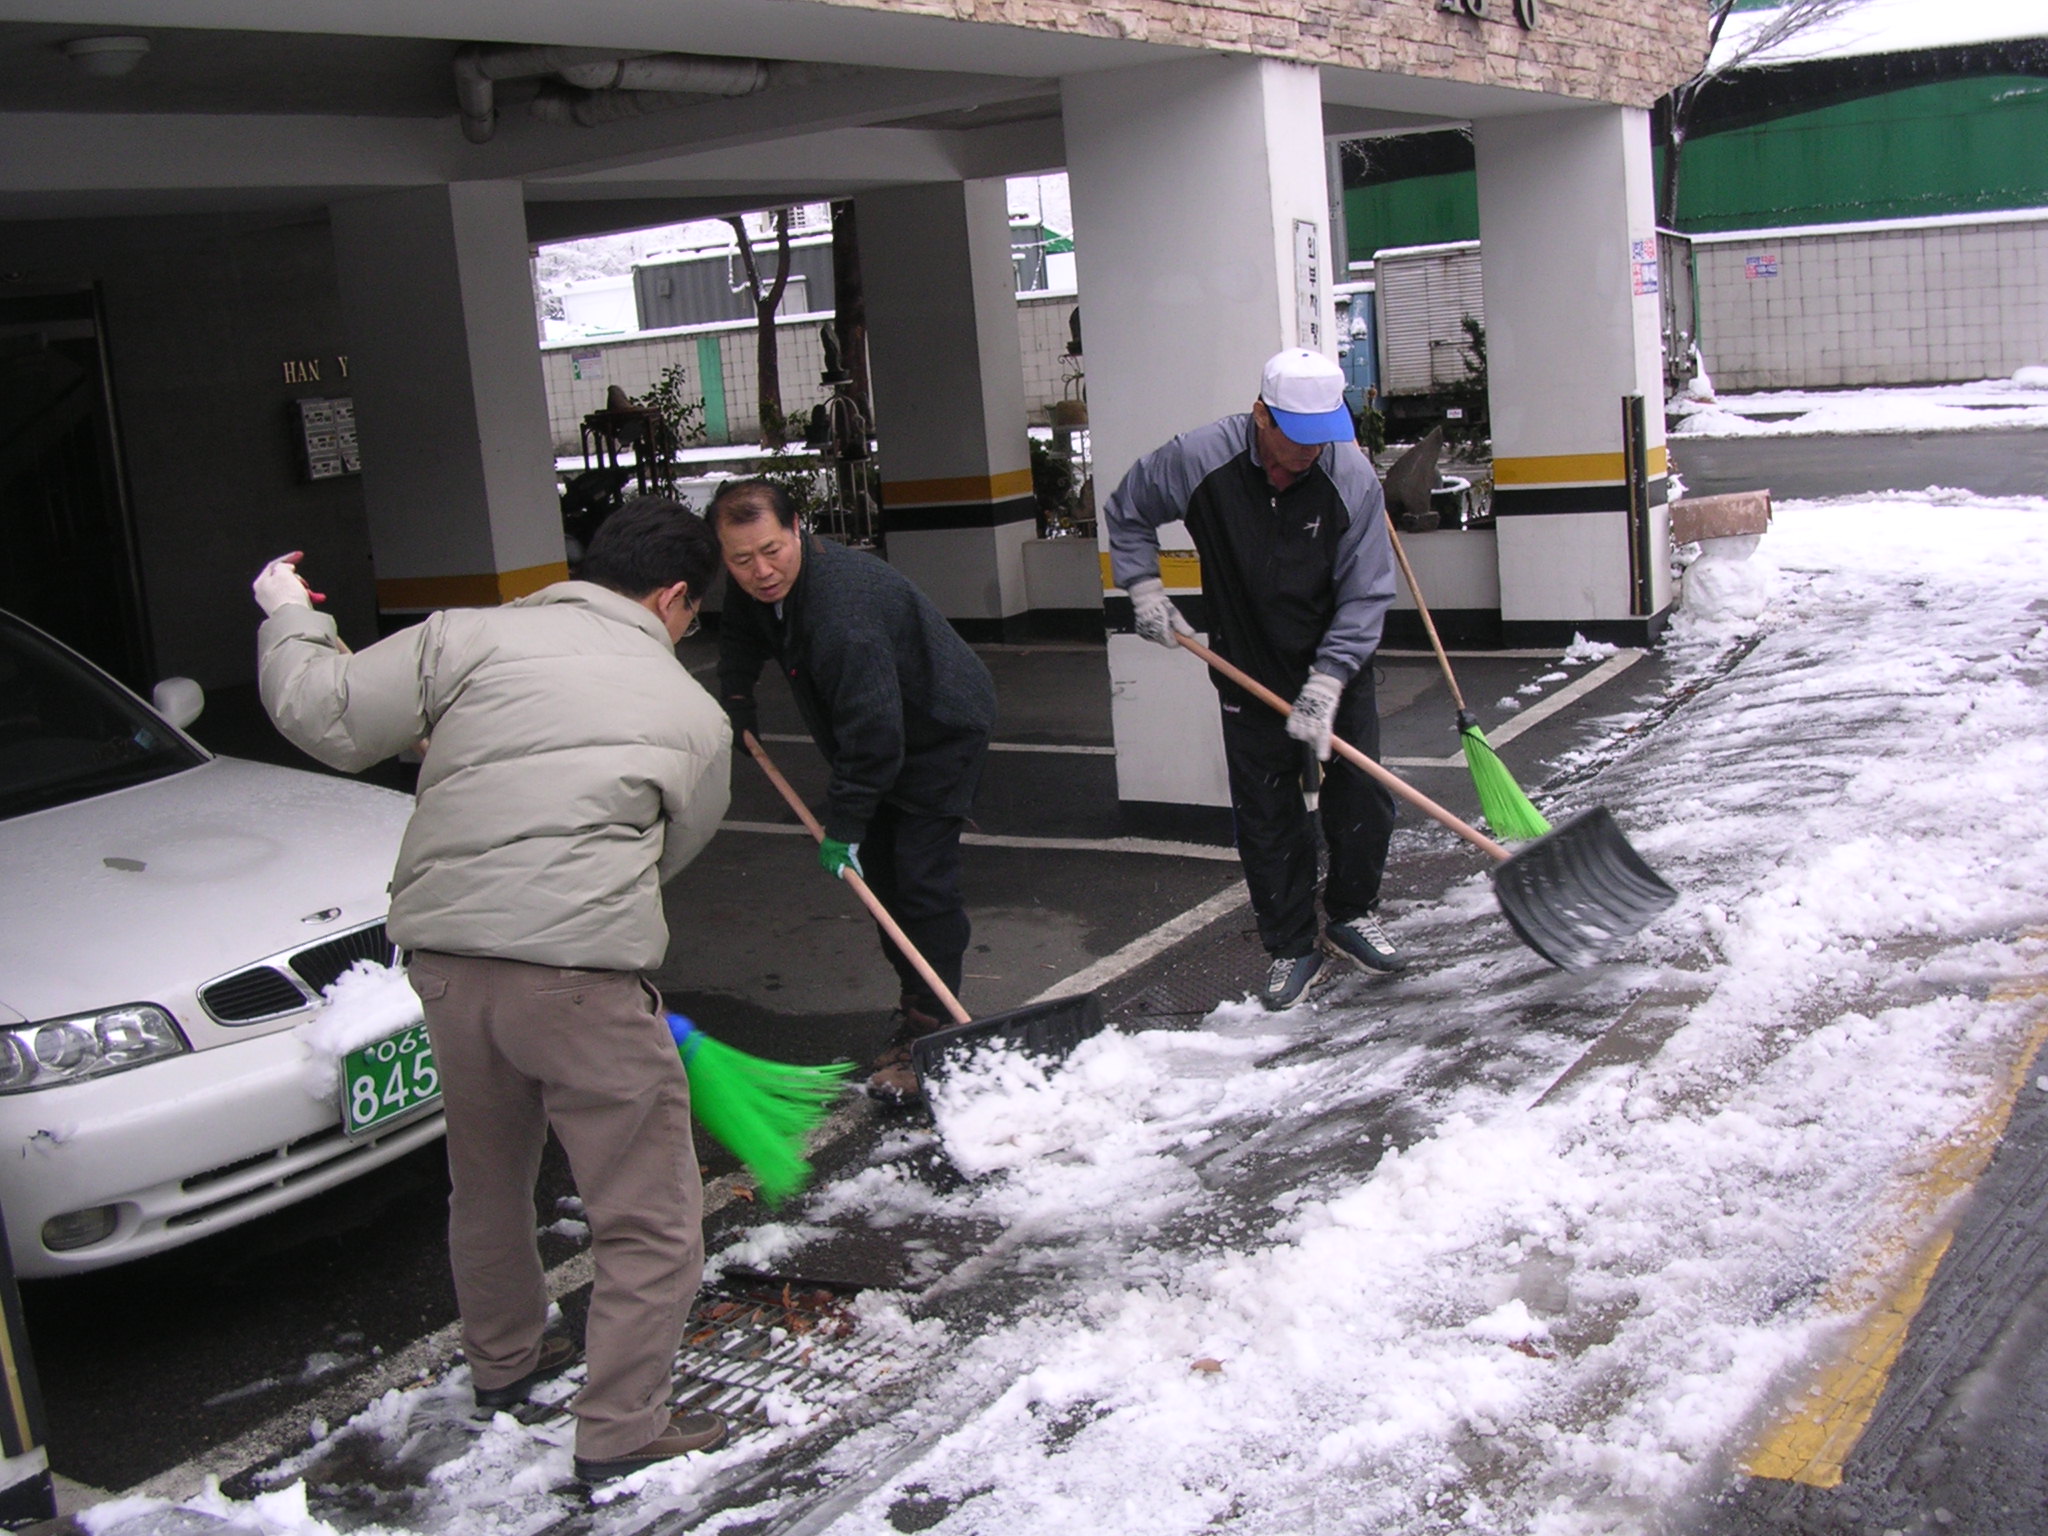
(248, 997)
(750, 1345)
(319, 966)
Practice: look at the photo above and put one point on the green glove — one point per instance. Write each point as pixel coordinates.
(838, 857)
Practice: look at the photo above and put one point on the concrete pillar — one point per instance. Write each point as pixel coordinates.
(1201, 236)
(458, 472)
(1566, 214)
(947, 374)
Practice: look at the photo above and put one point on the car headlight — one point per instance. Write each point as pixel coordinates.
(58, 1051)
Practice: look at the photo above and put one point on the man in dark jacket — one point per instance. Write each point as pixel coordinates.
(1297, 576)
(896, 701)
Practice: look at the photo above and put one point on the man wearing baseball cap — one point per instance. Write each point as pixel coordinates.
(1297, 577)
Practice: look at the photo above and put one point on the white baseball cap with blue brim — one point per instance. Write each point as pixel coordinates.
(1304, 390)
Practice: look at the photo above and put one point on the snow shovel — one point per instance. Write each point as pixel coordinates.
(1572, 895)
(1048, 1030)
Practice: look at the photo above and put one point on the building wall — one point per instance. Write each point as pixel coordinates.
(635, 363)
(202, 315)
(1920, 302)
(1954, 146)
(1042, 322)
(1628, 52)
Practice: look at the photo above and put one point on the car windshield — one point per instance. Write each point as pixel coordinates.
(68, 731)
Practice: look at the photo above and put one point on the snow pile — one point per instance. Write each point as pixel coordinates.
(1562, 1318)
(1728, 581)
(364, 1003)
(1581, 651)
(2031, 378)
(282, 1513)
(1991, 404)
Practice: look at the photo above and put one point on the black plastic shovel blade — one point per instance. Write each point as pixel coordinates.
(1048, 1031)
(1577, 894)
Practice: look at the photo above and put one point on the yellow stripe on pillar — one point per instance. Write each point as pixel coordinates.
(954, 491)
(422, 594)
(1573, 468)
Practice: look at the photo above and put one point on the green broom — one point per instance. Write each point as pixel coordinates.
(760, 1111)
(1501, 801)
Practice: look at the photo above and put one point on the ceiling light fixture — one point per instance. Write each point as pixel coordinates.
(106, 58)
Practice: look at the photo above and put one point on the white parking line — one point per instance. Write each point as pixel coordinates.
(1143, 948)
(1063, 748)
(1157, 847)
(1536, 713)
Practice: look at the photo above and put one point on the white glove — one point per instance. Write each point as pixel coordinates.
(1154, 614)
(1315, 713)
(278, 584)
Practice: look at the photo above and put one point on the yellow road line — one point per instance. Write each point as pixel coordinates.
(1811, 1439)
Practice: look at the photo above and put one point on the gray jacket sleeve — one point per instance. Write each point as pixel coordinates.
(349, 711)
(694, 798)
(1364, 571)
(1157, 490)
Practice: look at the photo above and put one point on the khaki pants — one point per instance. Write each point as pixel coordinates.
(522, 1047)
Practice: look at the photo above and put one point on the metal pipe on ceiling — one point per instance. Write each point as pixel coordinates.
(617, 77)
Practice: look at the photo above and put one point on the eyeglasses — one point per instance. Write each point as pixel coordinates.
(696, 622)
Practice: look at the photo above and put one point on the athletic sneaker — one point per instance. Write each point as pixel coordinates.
(1362, 941)
(689, 1429)
(1289, 978)
(557, 1354)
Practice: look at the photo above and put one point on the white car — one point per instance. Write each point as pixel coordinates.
(166, 917)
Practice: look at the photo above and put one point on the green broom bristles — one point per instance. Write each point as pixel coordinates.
(760, 1111)
(1501, 801)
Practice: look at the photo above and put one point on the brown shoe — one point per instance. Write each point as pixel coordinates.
(892, 1080)
(557, 1354)
(689, 1429)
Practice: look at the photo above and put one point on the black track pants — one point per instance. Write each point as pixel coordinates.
(913, 863)
(1275, 840)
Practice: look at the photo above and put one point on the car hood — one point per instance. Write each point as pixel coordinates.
(144, 894)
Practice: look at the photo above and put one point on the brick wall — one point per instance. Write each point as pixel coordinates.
(1628, 52)
(1916, 302)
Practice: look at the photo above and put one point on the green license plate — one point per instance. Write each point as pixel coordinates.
(388, 1080)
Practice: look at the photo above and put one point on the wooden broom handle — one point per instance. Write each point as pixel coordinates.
(1352, 755)
(1429, 624)
(889, 924)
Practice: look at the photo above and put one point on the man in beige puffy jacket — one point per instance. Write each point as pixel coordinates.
(572, 766)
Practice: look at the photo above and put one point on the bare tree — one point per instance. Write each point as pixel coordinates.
(766, 300)
(1774, 28)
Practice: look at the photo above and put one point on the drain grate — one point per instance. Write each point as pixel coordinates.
(766, 1354)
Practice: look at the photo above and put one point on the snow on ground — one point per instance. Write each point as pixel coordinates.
(1337, 1270)
(2020, 401)
(1563, 1318)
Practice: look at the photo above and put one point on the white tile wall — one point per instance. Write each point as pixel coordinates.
(1915, 305)
(635, 362)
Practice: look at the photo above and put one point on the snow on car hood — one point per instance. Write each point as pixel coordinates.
(144, 894)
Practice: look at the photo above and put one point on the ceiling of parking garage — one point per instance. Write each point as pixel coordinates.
(189, 70)
(223, 116)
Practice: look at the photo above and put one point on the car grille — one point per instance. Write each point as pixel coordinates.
(258, 993)
(267, 992)
(319, 966)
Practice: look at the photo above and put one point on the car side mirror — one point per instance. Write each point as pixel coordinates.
(179, 700)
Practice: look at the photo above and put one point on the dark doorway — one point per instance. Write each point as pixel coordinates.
(67, 556)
